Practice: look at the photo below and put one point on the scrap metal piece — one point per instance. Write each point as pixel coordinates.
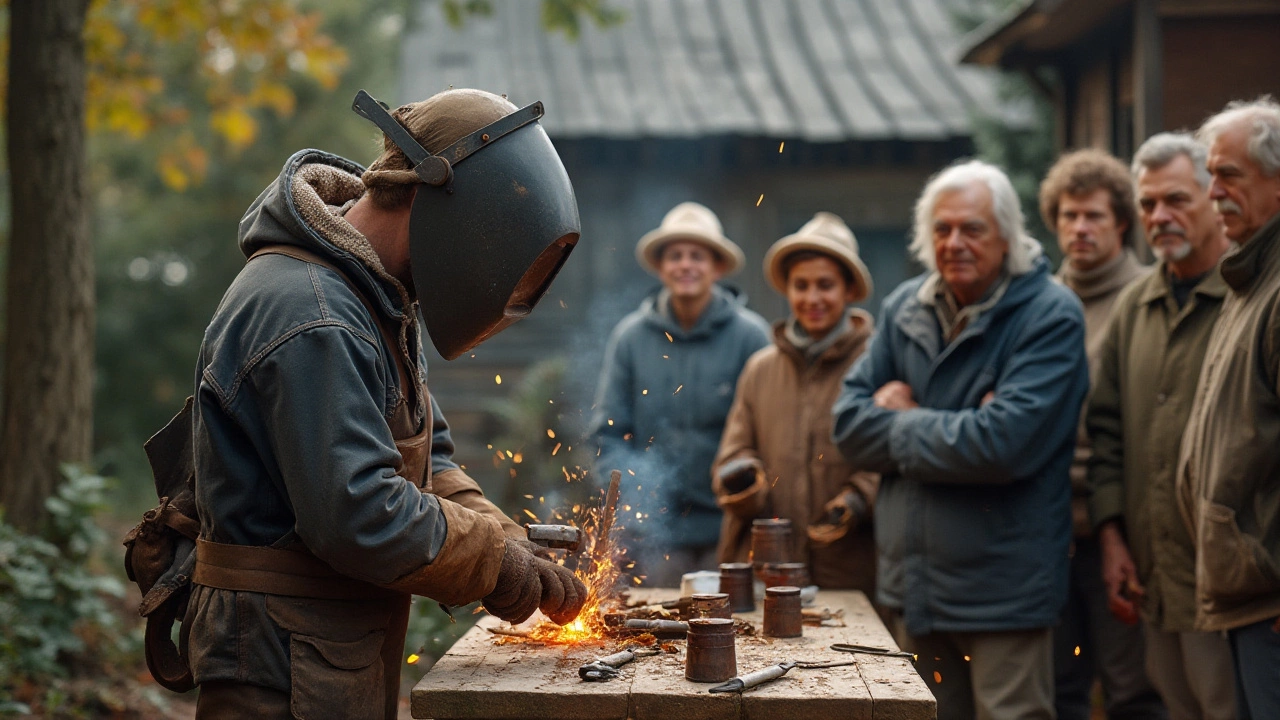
(754, 679)
(566, 537)
(658, 626)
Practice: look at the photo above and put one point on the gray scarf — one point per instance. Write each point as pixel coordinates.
(812, 349)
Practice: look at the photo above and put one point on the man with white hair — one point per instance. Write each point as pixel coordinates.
(966, 402)
(1143, 386)
(1226, 481)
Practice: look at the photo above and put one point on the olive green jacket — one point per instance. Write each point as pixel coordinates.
(1144, 382)
(1227, 476)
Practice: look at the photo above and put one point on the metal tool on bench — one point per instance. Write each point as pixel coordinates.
(606, 668)
(556, 537)
(773, 672)
(867, 650)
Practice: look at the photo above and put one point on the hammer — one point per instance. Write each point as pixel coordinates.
(556, 537)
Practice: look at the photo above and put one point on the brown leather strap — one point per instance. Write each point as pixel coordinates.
(248, 568)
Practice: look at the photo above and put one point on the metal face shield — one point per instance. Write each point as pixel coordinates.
(487, 237)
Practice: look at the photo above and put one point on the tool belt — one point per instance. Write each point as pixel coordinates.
(277, 571)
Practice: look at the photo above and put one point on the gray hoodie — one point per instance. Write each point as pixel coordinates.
(660, 409)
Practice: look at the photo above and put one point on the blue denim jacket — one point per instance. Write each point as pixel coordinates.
(973, 519)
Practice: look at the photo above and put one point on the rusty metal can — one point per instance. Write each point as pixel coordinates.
(710, 655)
(714, 605)
(782, 617)
(785, 573)
(735, 581)
(770, 540)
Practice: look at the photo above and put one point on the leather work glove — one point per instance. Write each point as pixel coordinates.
(519, 589)
(738, 475)
(563, 594)
(527, 582)
(535, 549)
(840, 515)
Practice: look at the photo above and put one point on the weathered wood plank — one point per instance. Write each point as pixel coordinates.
(516, 681)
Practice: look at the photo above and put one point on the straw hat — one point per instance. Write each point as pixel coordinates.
(827, 234)
(695, 223)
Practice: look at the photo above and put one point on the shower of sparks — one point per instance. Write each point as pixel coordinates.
(678, 390)
(551, 433)
(497, 379)
(760, 200)
(782, 145)
(669, 338)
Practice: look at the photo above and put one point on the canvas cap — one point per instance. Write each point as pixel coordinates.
(825, 233)
(692, 222)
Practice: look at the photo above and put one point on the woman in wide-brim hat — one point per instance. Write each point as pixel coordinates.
(776, 458)
(665, 389)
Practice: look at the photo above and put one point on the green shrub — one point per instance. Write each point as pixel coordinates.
(54, 603)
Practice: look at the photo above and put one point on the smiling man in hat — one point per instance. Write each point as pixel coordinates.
(776, 457)
(666, 386)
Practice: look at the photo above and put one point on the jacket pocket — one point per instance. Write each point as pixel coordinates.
(334, 679)
(1234, 566)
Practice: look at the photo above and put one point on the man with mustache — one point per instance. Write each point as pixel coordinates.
(1143, 386)
(966, 402)
(1087, 199)
(1226, 481)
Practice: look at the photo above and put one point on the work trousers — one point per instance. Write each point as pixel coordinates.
(1255, 654)
(988, 675)
(1193, 672)
(1089, 642)
(232, 701)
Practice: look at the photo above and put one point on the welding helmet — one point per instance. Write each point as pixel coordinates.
(492, 223)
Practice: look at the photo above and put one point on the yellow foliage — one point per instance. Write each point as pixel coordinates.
(235, 125)
(246, 51)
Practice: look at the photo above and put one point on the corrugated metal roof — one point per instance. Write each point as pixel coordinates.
(817, 70)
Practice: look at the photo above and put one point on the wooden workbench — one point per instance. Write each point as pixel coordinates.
(480, 680)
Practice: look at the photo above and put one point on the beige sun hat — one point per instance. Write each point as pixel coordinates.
(826, 233)
(695, 223)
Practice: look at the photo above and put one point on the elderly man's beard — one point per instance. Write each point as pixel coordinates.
(1162, 244)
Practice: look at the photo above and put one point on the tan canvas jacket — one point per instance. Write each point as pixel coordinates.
(781, 415)
(1229, 472)
(1144, 381)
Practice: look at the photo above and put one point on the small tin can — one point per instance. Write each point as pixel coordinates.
(782, 612)
(715, 605)
(735, 581)
(784, 573)
(710, 655)
(770, 538)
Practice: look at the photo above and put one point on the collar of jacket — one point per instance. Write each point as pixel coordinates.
(723, 305)
(918, 320)
(275, 219)
(859, 331)
(1157, 285)
(1111, 276)
(1242, 267)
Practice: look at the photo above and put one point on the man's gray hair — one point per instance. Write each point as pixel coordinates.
(1023, 249)
(1264, 139)
(1163, 148)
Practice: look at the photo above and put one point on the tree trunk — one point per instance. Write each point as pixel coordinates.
(47, 417)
